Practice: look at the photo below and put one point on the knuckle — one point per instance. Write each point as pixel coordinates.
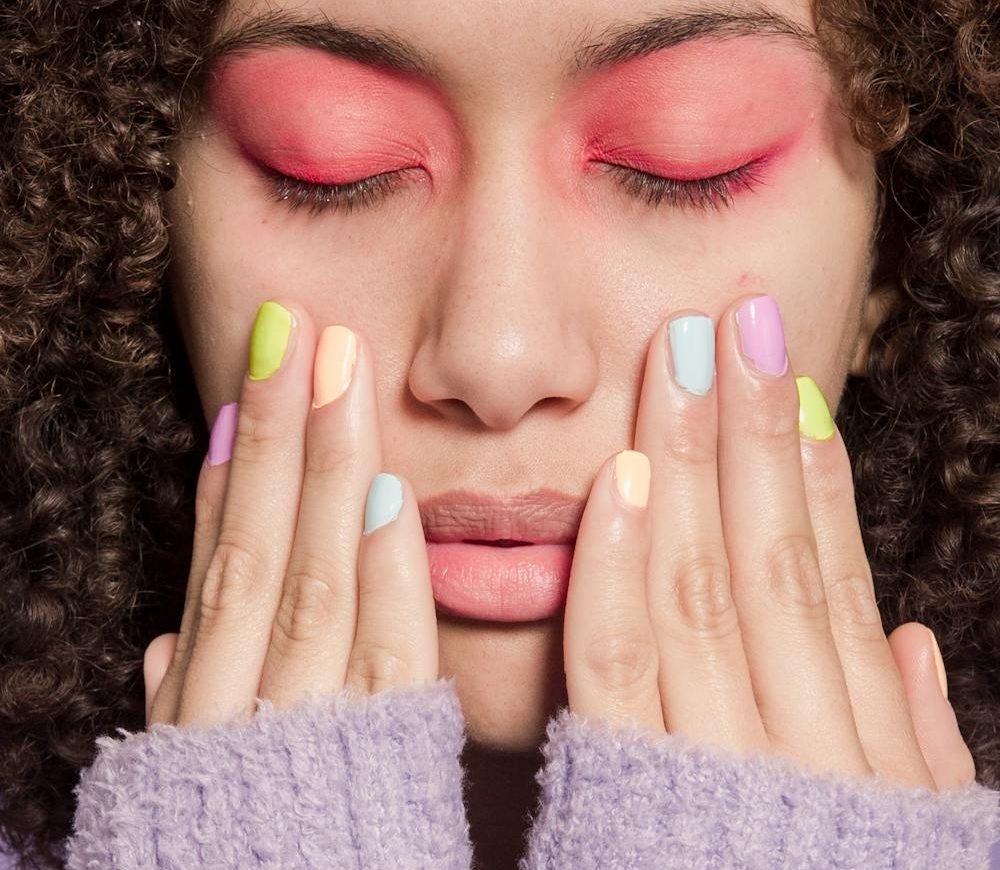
(830, 469)
(703, 598)
(258, 429)
(373, 667)
(232, 574)
(772, 427)
(853, 609)
(793, 579)
(307, 607)
(327, 455)
(690, 444)
(621, 664)
(205, 512)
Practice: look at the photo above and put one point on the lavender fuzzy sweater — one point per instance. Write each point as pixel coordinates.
(376, 782)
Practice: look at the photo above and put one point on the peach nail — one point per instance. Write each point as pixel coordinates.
(336, 354)
(632, 477)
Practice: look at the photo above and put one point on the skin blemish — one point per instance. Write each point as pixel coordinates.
(329, 120)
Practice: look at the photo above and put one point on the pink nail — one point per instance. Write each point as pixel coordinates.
(762, 336)
(220, 442)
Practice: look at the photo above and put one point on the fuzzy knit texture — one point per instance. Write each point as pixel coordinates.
(346, 781)
(375, 782)
(624, 799)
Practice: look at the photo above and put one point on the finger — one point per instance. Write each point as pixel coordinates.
(239, 593)
(154, 666)
(396, 643)
(609, 650)
(704, 679)
(797, 677)
(941, 743)
(314, 628)
(878, 698)
(209, 499)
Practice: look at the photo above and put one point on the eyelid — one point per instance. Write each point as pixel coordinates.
(706, 193)
(297, 193)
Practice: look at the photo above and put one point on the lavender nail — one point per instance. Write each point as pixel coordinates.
(220, 441)
(762, 336)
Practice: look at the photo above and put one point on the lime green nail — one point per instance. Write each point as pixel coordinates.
(269, 340)
(814, 416)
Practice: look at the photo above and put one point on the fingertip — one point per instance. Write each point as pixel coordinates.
(156, 660)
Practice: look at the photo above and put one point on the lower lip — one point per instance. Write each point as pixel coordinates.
(501, 584)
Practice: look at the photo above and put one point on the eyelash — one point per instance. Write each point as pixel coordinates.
(701, 193)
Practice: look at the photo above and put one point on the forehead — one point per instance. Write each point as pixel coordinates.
(471, 46)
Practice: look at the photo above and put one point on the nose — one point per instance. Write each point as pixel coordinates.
(508, 323)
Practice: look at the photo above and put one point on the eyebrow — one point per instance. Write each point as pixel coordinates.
(589, 51)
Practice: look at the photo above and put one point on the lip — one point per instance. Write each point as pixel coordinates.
(526, 577)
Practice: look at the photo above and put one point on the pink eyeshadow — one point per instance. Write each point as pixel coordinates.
(698, 109)
(327, 119)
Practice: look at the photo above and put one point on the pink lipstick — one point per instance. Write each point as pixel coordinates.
(503, 560)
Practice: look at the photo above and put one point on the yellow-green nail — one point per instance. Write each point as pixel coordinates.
(814, 416)
(269, 339)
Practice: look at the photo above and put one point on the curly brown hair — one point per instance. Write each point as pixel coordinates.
(102, 435)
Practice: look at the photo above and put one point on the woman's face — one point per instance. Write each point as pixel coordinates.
(508, 282)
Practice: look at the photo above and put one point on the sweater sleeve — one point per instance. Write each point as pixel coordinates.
(342, 782)
(622, 798)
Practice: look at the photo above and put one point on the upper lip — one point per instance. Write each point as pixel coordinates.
(542, 516)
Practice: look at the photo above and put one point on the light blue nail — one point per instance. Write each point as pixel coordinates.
(385, 501)
(692, 344)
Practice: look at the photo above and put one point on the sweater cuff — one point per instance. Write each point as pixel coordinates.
(340, 781)
(623, 798)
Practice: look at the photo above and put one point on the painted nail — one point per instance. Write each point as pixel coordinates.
(762, 336)
(692, 346)
(269, 339)
(385, 501)
(814, 415)
(336, 353)
(631, 473)
(220, 441)
(939, 664)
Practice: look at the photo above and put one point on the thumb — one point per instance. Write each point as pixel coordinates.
(154, 666)
(915, 649)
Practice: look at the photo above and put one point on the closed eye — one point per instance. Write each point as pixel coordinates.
(701, 193)
(317, 198)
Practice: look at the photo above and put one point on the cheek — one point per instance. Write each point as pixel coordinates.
(805, 241)
(228, 257)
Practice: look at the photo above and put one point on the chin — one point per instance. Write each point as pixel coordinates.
(509, 677)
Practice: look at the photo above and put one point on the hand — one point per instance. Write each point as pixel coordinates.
(737, 606)
(286, 595)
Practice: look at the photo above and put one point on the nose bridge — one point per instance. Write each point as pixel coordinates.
(502, 315)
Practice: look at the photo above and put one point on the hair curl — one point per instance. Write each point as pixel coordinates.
(102, 437)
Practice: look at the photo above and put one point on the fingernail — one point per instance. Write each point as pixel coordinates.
(220, 441)
(692, 346)
(814, 416)
(269, 339)
(631, 473)
(336, 354)
(762, 336)
(385, 501)
(939, 664)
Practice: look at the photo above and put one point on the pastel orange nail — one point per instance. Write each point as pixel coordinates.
(631, 474)
(336, 354)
